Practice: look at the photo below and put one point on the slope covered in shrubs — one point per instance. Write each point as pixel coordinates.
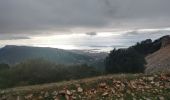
(125, 61)
(132, 59)
(40, 71)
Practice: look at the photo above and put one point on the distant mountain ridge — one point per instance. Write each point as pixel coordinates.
(13, 54)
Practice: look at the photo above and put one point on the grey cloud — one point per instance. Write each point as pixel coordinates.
(18, 16)
(138, 32)
(11, 37)
(91, 33)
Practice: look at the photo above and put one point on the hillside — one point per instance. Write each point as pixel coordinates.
(160, 60)
(12, 54)
(110, 87)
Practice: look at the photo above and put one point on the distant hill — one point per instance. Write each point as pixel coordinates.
(12, 54)
(159, 60)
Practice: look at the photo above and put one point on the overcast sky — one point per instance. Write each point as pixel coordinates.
(66, 16)
(71, 24)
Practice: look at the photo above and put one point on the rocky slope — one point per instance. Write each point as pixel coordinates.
(159, 61)
(111, 87)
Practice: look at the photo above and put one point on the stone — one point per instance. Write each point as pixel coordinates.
(79, 89)
(102, 85)
(61, 92)
(3, 97)
(54, 93)
(67, 97)
(113, 91)
(2, 92)
(157, 84)
(40, 97)
(105, 94)
(68, 92)
(73, 91)
(161, 98)
(150, 78)
(29, 96)
(46, 94)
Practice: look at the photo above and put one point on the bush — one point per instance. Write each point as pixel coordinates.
(125, 61)
(147, 46)
(4, 66)
(40, 71)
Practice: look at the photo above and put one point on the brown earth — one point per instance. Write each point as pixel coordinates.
(111, 87)
(159, 61)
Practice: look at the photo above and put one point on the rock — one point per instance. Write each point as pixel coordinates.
(167, 85)
(79, 89)
(113, 91)
(67, 97)
(68, 92)
(105, 94)
(128, 91)
(42, 92)
(77, 85)
(157, 84)
(133, 85)
(102, 85)
(56, 99)
(93, 91)
(61, 92)
(168, 79)
(54, 93)
(134, 99)
(3, 97)
(147, 98)
(73, 91)
(121, 98)
(40, 97)
(46, 94)
(152, 82)
(161, 98)
(2, 92)
(74, 97)
(19, 98)
(29, 96)
(150, 78)
(165, 41)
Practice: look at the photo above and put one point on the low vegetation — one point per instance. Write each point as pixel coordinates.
(125, 61)
(132, 59)
(40, 71)
(110, 87)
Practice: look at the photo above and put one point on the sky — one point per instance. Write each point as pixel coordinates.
(71, 24)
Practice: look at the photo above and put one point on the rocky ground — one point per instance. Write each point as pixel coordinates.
(158, 61)
(111, 87)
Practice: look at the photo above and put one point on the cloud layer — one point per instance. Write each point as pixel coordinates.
(12, 37)
(29, 16)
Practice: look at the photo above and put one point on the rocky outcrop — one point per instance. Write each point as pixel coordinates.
(165, 41)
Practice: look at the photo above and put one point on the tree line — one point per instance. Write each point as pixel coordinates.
(132, 59)
(38, 71)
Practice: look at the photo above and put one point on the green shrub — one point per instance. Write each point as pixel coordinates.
(125, 61)
(40, 71)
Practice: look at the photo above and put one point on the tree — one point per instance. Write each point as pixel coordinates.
(4, 66)
(125, 61)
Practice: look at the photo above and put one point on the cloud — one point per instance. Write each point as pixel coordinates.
(91, 33)
(7, 37)
(36, 16)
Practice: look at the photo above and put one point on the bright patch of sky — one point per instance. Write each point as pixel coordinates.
(101, 41)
